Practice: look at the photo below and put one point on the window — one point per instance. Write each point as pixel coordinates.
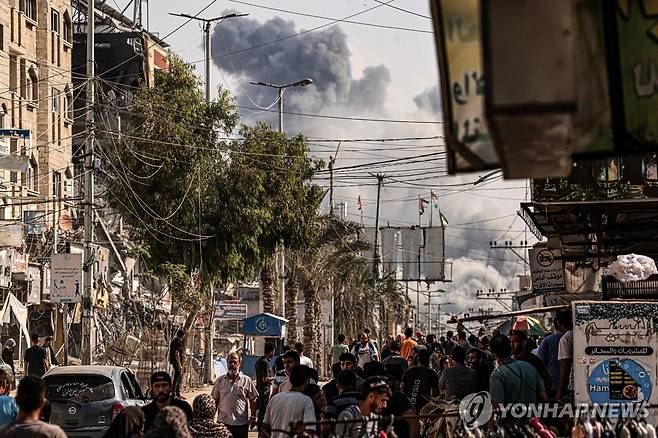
(29, 8)
(3, 114)
(68, 34)
(55, 97)
(30, 176)
(68, 103)
(57, 184)
(2, 37)
(31, 86)
(54, 21)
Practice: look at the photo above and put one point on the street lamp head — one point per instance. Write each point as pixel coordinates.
(302, 83)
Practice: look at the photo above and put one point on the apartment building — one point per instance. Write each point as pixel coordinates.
(36, 95)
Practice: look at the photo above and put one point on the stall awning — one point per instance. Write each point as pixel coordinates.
(264, 324)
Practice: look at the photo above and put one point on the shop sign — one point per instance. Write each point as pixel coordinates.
(614, 345)
(230, 311)
(546, 270)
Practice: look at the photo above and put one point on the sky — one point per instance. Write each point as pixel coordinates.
(361, 71)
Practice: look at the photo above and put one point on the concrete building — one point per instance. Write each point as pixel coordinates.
(37, 95)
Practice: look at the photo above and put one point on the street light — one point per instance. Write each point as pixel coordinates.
(280, 89)
(206, 31)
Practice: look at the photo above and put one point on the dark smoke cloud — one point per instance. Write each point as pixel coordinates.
(429, 100)
(322, 55)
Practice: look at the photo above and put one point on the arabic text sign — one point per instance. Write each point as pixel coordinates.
(546, 270)
(463, 80)
(66, 274)
(231, 311)
(614, 351)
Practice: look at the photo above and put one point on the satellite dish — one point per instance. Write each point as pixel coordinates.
(65, 222)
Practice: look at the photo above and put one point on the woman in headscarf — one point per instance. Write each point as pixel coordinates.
(171, 422)
(129, 423)
(8, 354)
(203, 424)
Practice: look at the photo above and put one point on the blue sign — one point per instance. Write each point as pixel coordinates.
(16, 133)
(619, 381)
(265, 325)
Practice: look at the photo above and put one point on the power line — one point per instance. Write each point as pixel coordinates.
(360, 119)
(383, 26)
(403, 10)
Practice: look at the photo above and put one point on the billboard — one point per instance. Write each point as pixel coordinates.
(615, 345)
(230, 311)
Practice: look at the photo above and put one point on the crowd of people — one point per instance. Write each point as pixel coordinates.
(373, 389)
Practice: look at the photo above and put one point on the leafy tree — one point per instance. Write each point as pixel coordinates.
(196, 199)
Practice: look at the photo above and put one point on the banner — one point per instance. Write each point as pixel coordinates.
(66, 274)
(230, 311)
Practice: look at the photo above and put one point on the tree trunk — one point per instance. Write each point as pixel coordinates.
(267, 286)
(292, 289)
(318, 358)
(309, 317)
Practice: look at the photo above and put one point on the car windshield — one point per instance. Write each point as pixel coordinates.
(79, 388)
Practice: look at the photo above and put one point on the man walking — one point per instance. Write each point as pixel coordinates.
(373, 400)
(36, 358)
(395, 362)
(264, 381)
(281, 382)
(520, 351)
(483, 368)
(408, 344)
(303, 360)
(289, 407)
(338, 349)
(233, 392)
(420, 382)
(30, 398)
(514, 381)
(548, 351)
(458, 381)
(161, 392)
(8, 407)
(177, 361)
(365, 351)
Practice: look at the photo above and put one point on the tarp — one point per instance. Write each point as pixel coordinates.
(528, 324)
(12, 304)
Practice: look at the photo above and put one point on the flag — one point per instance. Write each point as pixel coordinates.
(359, 203)
(435, 200)
(421, 205)
(444, 220)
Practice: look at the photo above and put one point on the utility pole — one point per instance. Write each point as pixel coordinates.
(380, 181)
(281, 246)
(206, 33)
(332, 160)
(88, 264)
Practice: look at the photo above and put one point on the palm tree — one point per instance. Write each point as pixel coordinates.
(292, 290)
(267, 286)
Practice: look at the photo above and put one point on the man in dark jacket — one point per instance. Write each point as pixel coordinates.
(161, 392)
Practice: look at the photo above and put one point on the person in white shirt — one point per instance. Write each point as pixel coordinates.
(365, 351)
(234, 393)
(290, 407)
(303, 360)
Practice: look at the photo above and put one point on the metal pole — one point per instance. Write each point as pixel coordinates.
(65, 320)
(332, 160)
(417, 324)
(429, 312)
(380, 180)
(281, 90)
(89, 190)
(206, 30)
